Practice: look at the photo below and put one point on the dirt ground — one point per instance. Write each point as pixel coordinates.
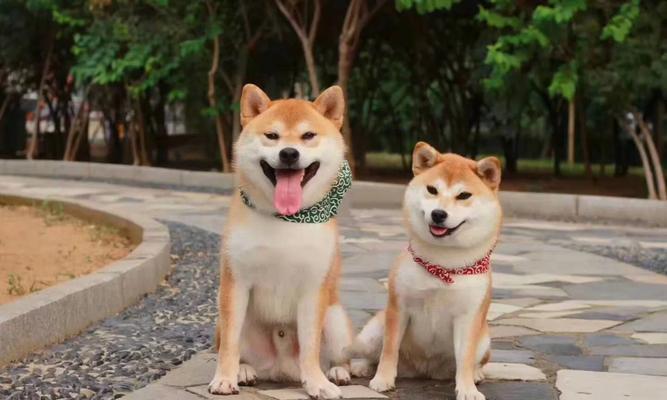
(625, 186)
(41, 246)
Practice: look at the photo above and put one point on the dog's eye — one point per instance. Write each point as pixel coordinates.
(432, 190)
(463, 196)
(272, 135)
(308, 135)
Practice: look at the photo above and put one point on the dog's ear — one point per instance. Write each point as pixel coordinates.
(331, 104)
(253, 102)
(424, 156)
(489, 170)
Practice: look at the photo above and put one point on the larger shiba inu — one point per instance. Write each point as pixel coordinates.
(440, 287)
(279, 313)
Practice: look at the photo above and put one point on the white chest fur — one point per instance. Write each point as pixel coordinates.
(431, 305)
(278, 261)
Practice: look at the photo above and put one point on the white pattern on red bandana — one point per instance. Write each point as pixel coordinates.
(445, 274)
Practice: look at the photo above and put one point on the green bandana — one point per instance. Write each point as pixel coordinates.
(323, 210)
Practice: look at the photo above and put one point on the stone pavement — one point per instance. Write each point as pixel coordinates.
(569, 320)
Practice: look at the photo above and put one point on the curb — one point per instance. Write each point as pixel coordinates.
(549, 206)
(64, 310)
(117, 172)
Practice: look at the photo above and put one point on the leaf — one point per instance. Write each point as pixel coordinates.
(621, 24)
(496, 20)
(425, 6)
(564, 82)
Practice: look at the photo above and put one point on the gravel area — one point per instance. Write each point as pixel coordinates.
(651, 259)
(139, 345)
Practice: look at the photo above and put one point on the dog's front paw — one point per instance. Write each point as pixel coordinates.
(339, 375)
(361, 368)
(322, 389)
(469, 394)
(382, 384)
(247, 375)
(220, 385)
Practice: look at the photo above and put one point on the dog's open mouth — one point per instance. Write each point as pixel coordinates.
(289, 185)
(442, 231)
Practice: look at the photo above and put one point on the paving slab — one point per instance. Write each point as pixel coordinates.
(513, 356)
(201, 391)
(651, 337)
(557, 304)
(519, 391)
(196, 371)
(586, 363)
(561, 345)
(513, 372)
(349, 392)
(564, 325)
(589, 385)
(638, 365)
(157, 391)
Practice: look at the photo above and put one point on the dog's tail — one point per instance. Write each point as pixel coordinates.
(368, 343)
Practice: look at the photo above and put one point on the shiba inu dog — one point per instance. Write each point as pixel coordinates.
(279, 312)
(440, 287)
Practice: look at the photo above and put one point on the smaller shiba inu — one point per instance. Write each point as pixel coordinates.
(440, 287)
(279, 311)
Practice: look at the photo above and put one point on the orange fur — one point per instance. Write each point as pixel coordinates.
(481, 179)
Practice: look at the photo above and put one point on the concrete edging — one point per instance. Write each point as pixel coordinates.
(64, 310)
(367, 194)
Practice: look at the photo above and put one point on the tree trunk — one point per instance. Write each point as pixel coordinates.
(344, 67)
(238, 89)
(161, 134)
(30, 153)
(213, 103)
(306, 36)
(312, 69)
(570, 132)
(583, 135)
(648, 174)
(141, 135)
(81, 149)
(655, 158)
(4, 107)
(212, 99)
(75, 127)
(659, 141)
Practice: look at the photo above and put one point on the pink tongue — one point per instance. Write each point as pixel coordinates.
(287, 197)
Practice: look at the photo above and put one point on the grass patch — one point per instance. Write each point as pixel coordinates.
(392, 161)
(53, 212)
(14, 285)
(104, 233)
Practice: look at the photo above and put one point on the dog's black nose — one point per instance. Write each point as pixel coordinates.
(289, 155)
(438, 216)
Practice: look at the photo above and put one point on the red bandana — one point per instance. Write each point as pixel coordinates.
(445, 274)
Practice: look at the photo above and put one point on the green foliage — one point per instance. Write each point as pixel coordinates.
(553, 40)
(126, 47)
(564, 81)
(558, 11)
(453, 69)
(425, 6)
(620, 25)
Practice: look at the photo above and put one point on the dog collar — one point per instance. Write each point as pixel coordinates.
(481, 266)
(323, 210)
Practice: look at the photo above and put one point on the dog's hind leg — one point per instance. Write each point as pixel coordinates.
(368, 343)
(337, 334)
